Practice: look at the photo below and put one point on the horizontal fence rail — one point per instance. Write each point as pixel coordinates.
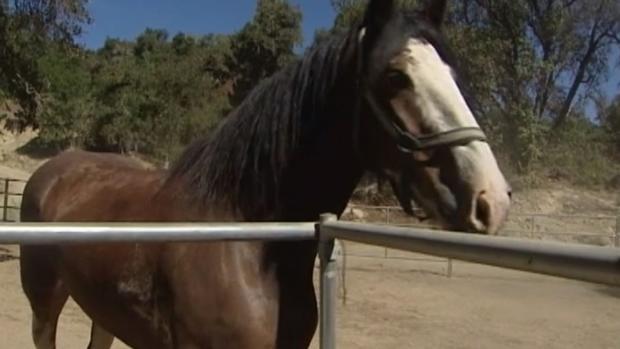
(51, 233)
(597, 230)
(580, 262)
(587, 263)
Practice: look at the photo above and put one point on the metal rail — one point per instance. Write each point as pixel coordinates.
(54, 233)
(328, 286)
(586, 263)
(512, 214)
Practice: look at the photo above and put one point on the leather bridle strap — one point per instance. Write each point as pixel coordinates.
(407, 142)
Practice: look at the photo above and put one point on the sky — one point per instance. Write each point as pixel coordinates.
(126, 19)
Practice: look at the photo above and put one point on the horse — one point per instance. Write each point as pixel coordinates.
(384, 96)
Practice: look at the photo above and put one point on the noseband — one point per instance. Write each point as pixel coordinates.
(406, 141)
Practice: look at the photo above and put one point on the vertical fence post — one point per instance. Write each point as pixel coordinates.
(387, 221)
(449, 268)
(328, 286)
(617, 233)
(5, 208)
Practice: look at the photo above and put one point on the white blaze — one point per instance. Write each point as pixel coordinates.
(437, 95)
(441, 107)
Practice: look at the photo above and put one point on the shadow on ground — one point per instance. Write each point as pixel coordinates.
(609, 291)
(6, 255)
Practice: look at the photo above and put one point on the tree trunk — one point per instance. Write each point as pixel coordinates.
(593, 46)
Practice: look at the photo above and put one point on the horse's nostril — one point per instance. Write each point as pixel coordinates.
(483, 209)
(510, 194)
(489, 210)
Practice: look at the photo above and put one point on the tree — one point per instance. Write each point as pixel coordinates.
(610, 119)
(151, 43)
(534, 61)
(597, 30)
(154, 95)
(550, 53)
(69, 105)
(218, 58)
(26, 30)
(264, 45)
(183, 44)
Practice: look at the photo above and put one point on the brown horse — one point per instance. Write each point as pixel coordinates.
(382, 97)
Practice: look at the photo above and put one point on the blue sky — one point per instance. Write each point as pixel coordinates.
(126, 19)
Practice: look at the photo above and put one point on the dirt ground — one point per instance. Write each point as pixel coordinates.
(407, 304)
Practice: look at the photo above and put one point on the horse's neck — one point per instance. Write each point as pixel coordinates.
(321, 181)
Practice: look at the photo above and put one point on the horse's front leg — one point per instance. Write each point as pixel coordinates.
(100, 338)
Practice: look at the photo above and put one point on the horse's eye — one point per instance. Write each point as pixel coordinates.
(398, 80)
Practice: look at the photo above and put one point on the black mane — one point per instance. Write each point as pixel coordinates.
(242, 161)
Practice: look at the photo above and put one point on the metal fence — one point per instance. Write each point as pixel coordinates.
(11, 191)
(599, 230)
(76, 233)
(580, 262)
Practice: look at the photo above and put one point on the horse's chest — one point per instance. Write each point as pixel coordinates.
(223, 295)
(125, 287)
(136, 278)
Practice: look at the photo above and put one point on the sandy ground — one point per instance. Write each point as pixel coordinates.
(406, 304)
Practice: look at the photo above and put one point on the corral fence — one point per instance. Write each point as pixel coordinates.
(587, 263)
(11, 190)
(596, 230)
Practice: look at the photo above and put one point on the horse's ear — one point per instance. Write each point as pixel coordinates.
(435, 11)
(378, 14)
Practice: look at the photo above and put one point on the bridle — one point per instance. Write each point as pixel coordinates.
(406, 141)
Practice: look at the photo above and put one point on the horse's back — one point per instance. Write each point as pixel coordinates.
(71, 180)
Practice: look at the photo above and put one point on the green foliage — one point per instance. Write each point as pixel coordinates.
(265, 44)
(532, 64)
(578, 153)
(610, 118)
(151, 44)
(183, 45)
(25, 33)
(152, 95)
(68, 102)
(218, 56)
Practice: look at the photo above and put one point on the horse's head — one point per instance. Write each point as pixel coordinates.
(418, 127)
